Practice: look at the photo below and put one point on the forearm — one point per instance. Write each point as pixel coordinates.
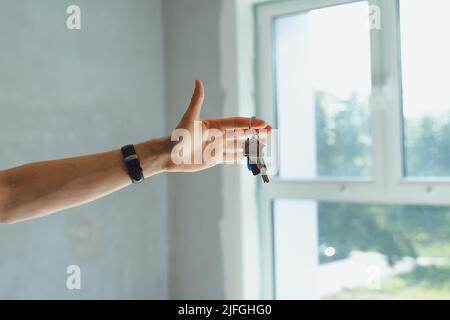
(43, 188)
(39, 189)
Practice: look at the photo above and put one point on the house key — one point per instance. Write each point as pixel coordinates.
(254, 151)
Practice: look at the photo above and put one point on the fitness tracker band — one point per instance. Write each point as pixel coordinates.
(131, 160)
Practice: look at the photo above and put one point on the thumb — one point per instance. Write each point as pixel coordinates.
(195, 107)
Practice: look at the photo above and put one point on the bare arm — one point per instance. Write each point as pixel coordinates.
(42, 188)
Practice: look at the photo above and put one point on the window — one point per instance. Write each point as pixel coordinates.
(426, 103)
(360, 206)
(330, 110)
(361, 251)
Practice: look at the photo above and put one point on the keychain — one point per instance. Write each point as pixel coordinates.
(254, 151)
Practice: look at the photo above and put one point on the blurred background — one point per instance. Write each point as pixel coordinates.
(359, 207)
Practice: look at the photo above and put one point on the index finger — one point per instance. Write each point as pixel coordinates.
(236, 123)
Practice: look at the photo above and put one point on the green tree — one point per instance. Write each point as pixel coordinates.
(343, 149)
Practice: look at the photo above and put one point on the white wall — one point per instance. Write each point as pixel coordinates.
(213, 217)
(192, 51)
(65, 93)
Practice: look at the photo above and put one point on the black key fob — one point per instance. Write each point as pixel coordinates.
(253, 167)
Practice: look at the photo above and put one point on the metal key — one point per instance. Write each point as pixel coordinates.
(263, 168)
(260, 162)
(254, 151)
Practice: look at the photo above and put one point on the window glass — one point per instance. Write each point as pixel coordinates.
(323, 85)
(424, 27)
(361, 251)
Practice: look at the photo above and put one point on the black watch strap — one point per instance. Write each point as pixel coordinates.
(132, 163)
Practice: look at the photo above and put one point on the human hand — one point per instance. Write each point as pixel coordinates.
(200, 144)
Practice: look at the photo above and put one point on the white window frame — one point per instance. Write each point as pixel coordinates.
(387, 185)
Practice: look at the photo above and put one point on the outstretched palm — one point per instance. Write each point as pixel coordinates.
(227, 135)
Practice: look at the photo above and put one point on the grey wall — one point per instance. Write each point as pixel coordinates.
(192, 51)
(65, 93)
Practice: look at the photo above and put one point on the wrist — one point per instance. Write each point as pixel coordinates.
(154, 155)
